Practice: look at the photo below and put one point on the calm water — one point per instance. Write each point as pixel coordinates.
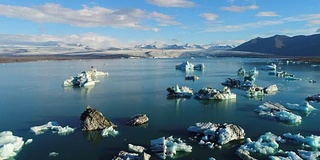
(31, 94)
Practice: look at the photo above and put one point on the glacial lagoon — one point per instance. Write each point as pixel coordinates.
(32, 94)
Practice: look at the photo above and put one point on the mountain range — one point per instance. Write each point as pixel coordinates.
(282, 45)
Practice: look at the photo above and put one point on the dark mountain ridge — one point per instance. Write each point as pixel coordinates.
(283, 45)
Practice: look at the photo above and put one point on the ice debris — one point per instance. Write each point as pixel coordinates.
(10, 145)
(266, 144)
(29, 141)
(53, 154)
(53, 126)
(109, 131)
(135, 148)
(311, 141)
(215, 133)
(276, 110)
(304, 107)
(123, 155)
(168, 147)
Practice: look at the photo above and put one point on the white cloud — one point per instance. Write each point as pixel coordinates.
(163, 19)
(267, 14)
(239, 8)
(85, 17)
(172, 3)
(90, 39)
(234, 28)
(209, 16)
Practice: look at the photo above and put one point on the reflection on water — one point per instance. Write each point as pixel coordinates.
(83, 90)
(222, 103)
(93, 136)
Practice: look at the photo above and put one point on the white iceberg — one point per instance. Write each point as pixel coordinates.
(311, 141)
(53, 154)
(53, 126)
(266, 144)
(209, 93)
(185, 66)
(291, 156)
(214, 133)
(135, 148)
(179, 92)
(109, 131)
(84, 79)
(164, 147)
(305, 106)
(10, 145)
(276, 110)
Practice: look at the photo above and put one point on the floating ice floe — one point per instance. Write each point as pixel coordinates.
(29, 141)
(212, 134)
(276, 110)
(54, 126)
(266, 144)
(135, 148)
(311, 141)
(53, 154)
(304, 107)
(123, 155)
(290, 156)
(209, 93)
(10, 145)
(256, 91)
(168, 147)
(84, 79)
(109, 131)
(180, 92)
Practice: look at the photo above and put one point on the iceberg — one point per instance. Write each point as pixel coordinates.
(304, 107)
(109, 131)
(180, 92)
(276, 110)
(241, 71)
(10, 145)
(215, 133)
(123, 155)
(311, 141)
(168, 147)
(53, 154)
(266, 144)
(84, 79)
(291, 155)
(187, 66)
(209, 93)
(53, 126)
(135, 148)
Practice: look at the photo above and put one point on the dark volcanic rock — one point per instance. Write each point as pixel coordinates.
(94, 120)
(283, 45)
(138, 120)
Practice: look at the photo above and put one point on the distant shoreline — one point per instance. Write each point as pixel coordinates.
(33, 58)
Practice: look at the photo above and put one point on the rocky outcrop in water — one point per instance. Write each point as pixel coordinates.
(94, 120)
(137, 120)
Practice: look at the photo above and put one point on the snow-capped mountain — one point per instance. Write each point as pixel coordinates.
(185, 46)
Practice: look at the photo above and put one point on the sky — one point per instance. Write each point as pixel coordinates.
(125, 23)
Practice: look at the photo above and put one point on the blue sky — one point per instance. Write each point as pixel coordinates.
(106, 23)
